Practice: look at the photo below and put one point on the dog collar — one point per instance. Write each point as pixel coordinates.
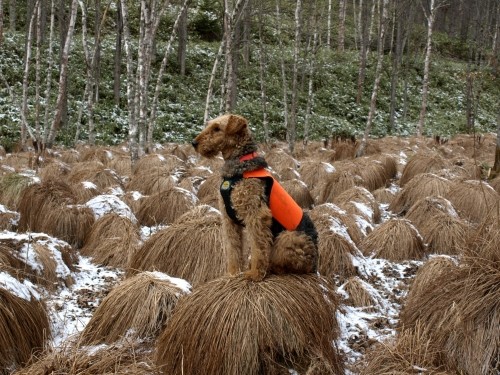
(249, 156)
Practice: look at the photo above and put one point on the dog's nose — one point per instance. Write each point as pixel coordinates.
(194, 143)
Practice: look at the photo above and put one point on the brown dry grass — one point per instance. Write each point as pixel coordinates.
(96, 153)
(495, 184)
(376, 171)
(165, 206)
(94, 172)
(335, 184)
(343, 151)
(279, 160)
(138, 307)
(313, 172)
(460, 310)
(473, 199)
(444, 233)
(332, 211)
(24, 329)
(11, 188)
(384, 195)
(420, 186)
(428, 207)
(190, 249)
(299, 192)
(112, 241)
(358, 295)
(231, 326)
(396, 240)
(125, 357)
(154, 161)
(151, 180)
(69, 223)
(8, 220)
(209, 190)
(410, 351)
(85, 191)
(359, 201)
(423, 162)
(54, 170)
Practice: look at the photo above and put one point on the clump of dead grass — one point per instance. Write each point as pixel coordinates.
(427, 162)
(11, 187)
(209, 190)
(335, 184)
(24, 329)
(299, 192)
(152, 180)
(358, 200)
(420, 186)
(428, 207)
(395, 240)
(232, 326)
(138, 307)
(95, 172)
(189, 248)
(358, 295)
(165, 206)
(112, 240)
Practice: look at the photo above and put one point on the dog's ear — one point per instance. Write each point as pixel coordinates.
(236, 124)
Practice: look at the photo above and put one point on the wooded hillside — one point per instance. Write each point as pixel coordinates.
(153, 71)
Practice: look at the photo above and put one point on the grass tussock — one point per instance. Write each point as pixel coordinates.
(24, 329)
(428, 207)
(299, 192)
(384, 195)
(335, 184)
(54, 170)
(377, 171)
(165, 206)
(395, 240)
(313, 172)
(358, 295)
(421, 186)
(95, 172)
(11, 188)
(473, 199)
(125, 357)
(112, 240)
(444, 234)
(191, 249)
(232, 326)
(279, 160)
(209, 190)
(151, 180)
(138, 307)
(359, 201)
(424, 162)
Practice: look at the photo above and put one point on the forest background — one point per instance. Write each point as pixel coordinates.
(153, 71)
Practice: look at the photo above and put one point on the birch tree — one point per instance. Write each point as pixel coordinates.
(1, 22)
(282, 64)
(63, 77)
(292, 123)
(329, 24)
(430, 17)
(262, 77)
(378, 76)
(341, 30)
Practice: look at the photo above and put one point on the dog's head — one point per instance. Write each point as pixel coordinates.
(225, 134)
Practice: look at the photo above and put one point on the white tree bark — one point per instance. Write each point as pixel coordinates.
(427, 63)
(329, 25)
(63, 76)
(376, 84)
(48, 82)
(212, 79)
(341, 31)
(292, 123)
(262, 77)
(282, 63)
(310, 92)
(38, 11)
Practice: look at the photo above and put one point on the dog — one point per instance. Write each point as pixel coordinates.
(282, 238)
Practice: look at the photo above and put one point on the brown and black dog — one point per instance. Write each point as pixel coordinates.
(282, 238)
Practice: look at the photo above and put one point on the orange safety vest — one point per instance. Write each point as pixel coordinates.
(283, 208)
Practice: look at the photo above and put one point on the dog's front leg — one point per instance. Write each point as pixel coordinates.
(261, 239)
(233, 245)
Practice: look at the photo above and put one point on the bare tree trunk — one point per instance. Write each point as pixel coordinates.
(212, 79)
(310, 92)
(154, 104)
(38, 11)
(363, 52)
(246, 40)
(341, 31)
(496, 166)
(63, 77)
(12, 15)
(24, 106)
(431, 16)
(376, 84)
(182, 45)
(118, 56)
(329, 25)
(1, 22)
(50, 63)
(282, 63)
(292, 123)
(262, 76)
(132, 121)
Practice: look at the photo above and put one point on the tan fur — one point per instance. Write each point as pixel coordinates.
(290, 252)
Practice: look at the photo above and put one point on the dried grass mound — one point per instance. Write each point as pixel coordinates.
(444, 234)
(422, 163)
(483, 241)
(152, 180)
(359, 201)
(358, 295)
(395, 240)
(231, 326)
(209, 190)
(166, 206)
(322, 213)
(335, 184)
(121, 164)
(85, 191)
(11, 188)
(427, 207)
(54, 170)
(124, 357)
(384, 195)
(197, 213)
(279, 160)
(38, 258)
(421, 186)
(189, 249)
(495, 184)
(112, 240)
(473, 199)
(314, 172)
(460, 313)
(94, 153)
(427, 275)
(377, 171)
(299, 192)
(8, 219)
(24, 327)
(343, 151)
(153, 161)
(408, 353)
(139, 307)
(96, 173)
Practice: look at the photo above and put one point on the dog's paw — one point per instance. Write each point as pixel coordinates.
(254, 275)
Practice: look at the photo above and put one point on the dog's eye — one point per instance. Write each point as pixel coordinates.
(216, 129)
